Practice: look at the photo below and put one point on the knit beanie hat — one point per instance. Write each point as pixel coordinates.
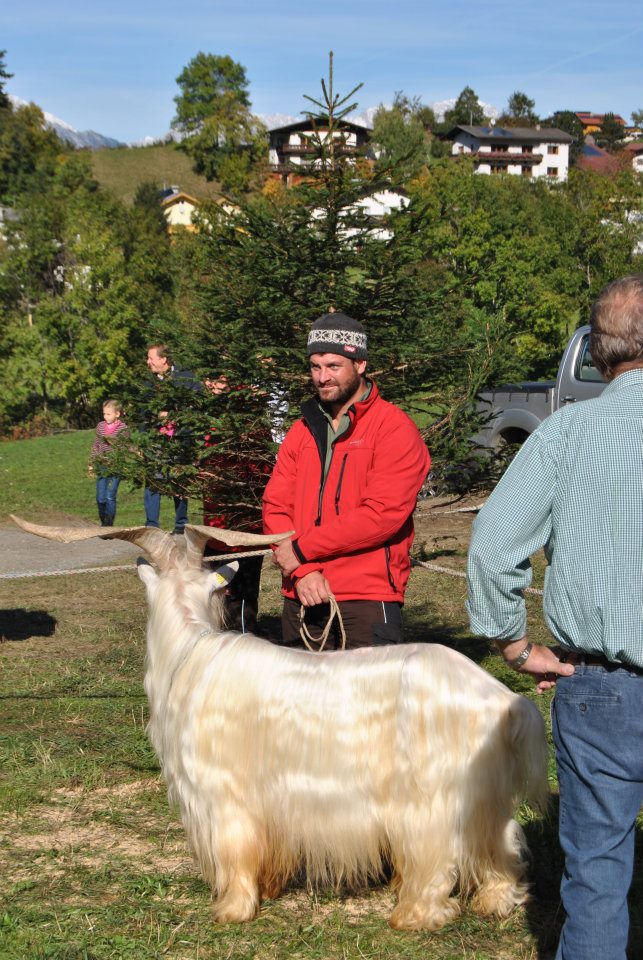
(338, 333)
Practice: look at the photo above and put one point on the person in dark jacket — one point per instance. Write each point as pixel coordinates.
(346, 482)
(161, 367)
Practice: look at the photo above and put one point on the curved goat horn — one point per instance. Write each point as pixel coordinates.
(158, 544)
(197, 536)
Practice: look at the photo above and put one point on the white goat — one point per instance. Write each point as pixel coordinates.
(336, 762)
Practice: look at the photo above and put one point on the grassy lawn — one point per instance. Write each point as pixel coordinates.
(47, 476)
(93, 863)
(123, 169)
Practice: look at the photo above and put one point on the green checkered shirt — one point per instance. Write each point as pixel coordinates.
(576, 488)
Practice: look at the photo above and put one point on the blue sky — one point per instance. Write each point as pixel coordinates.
(111, 66)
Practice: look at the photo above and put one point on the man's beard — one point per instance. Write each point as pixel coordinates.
(341, 394)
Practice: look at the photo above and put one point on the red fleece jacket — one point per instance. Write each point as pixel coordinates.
(358, 528)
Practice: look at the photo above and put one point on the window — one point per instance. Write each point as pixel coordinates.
(526, 171)
(585, 369)
(552, 171)
(552, 148)
(496, 168)
(528, 148)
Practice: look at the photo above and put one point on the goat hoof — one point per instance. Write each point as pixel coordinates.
(425, 916)
(234, 913)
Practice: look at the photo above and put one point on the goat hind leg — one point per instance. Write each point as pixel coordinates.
(502, 886)
(428, 906)
(424, 883)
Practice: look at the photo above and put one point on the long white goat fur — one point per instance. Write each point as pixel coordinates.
(336, 762)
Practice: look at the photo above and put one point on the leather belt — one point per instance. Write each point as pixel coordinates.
(576, 657)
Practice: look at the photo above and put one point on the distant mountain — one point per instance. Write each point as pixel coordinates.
(97, 141)
(273, 120)
(79, 138)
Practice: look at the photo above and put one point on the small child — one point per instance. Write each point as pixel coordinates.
(106, 486)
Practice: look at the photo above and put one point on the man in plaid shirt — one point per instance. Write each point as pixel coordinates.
(576, 489)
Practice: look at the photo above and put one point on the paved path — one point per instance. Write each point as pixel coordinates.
(23, 555)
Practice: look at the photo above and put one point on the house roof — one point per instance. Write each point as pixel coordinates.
(179, 198)
(509, 134)
(599, 160)
(588, 118)
(301, 125)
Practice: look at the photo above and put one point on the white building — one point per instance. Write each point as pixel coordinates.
(293, 145)
(179, 209)
(522, 151)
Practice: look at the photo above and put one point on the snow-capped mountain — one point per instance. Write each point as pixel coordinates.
(97, 141)
(273, 120)
(79, 138)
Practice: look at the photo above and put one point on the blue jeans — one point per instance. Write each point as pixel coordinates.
(106, 490)
(597, 719)
(152, 503)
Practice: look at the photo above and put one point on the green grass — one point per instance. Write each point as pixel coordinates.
(47, 476)
(123, 169)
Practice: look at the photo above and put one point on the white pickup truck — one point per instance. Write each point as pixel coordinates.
(516, 410)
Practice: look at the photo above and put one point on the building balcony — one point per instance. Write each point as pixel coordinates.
(504, 157)
(305, 149)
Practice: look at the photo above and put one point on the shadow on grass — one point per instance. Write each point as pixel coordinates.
(21, 624)
(421, 625)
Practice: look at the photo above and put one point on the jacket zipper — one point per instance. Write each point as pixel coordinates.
(322, 486)
(387, 554)
(338, 492)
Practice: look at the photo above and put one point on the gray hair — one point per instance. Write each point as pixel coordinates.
(617, 324)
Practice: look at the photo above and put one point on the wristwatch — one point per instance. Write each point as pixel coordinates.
(517, 662)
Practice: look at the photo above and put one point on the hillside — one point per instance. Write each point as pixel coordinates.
(123, 169)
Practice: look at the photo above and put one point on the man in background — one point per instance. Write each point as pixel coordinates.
(160, 365)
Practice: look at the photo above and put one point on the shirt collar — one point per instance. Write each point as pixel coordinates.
(625, 380)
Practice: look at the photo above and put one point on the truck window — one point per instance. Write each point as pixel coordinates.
(585, 369)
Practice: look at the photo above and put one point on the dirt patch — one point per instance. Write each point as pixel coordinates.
(68, 828)
(443, 528)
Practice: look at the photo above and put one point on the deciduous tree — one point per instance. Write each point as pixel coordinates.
(214, 121)
(401, 135)
(611, 133)
(520, 111)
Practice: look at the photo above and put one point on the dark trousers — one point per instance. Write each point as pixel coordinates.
(242, 593)
(368, 623)
(152, 503)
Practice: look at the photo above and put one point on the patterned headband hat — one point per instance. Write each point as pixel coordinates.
(338, 333)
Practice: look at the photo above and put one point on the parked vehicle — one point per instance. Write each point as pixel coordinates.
(516, 410)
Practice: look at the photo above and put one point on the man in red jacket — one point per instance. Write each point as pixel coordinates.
(346, 481)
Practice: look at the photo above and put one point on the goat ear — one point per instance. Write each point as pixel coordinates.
(146, 571)
(223, 575)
